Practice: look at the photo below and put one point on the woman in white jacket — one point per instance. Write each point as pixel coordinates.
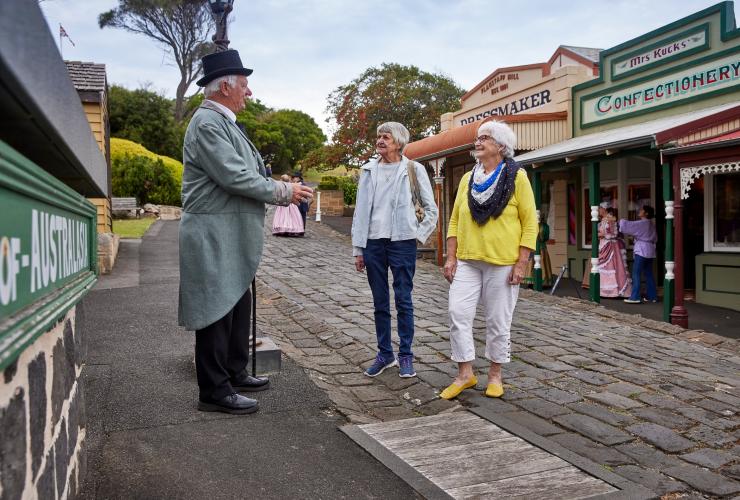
(385, 230)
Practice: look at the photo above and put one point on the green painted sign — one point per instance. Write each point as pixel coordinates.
(48, 251)
(719, 73)
(41, 249)
(667, 50)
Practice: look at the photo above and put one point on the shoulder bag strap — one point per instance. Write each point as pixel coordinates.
(414, 184)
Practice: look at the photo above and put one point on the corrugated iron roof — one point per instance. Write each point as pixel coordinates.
(730, 139)
(463, 137)
(735, 134)
(640, 134)
(588, 52)
(87, 75)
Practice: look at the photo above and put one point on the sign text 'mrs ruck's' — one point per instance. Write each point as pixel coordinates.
(654, 54)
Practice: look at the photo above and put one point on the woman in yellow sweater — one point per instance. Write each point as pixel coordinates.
(492, 229)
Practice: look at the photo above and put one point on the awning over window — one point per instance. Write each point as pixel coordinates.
(721, 141)
(532, 130)
(652, 133)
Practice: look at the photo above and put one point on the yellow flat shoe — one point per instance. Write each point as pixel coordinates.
(495, 390)
(453, 390)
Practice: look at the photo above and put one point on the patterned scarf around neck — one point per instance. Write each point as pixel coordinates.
(502, 193)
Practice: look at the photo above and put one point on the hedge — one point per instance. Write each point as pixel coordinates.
(122, 147)
(348, 186)
(146, 179)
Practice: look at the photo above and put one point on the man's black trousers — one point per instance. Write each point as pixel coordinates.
(222, 350)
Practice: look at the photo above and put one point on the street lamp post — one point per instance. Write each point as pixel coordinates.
(220, 11)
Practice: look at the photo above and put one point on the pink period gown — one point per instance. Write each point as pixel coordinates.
(287, 221)
(614, 278)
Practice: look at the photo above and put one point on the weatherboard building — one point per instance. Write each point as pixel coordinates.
(660, 126)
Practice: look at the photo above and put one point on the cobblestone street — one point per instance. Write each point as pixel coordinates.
(652, 402)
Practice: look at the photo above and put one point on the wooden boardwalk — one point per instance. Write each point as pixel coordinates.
(461, 455)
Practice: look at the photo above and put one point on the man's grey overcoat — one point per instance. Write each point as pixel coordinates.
(224, 191)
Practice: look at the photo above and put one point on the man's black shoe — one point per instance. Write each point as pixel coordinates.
(247, 383)
(235, 404)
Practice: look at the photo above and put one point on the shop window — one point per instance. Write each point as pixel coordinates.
(632, 177)
(638, 195)
(572, 204)
(723, 212)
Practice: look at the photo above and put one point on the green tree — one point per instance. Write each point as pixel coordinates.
(180, 26)
(283, 137)
(391, 92)
(290, 135)
(145, 117)
(252, 115)
(323, 158)
(144, 178)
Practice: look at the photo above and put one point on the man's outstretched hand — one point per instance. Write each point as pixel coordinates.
(301, 193)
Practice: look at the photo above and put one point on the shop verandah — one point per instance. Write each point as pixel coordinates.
(648, 164)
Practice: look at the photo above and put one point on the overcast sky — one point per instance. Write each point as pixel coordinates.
(301, 50)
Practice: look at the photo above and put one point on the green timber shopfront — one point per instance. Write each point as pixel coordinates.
(658, 127)
(49, 164)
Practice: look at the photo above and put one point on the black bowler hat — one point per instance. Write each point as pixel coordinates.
(223, 63)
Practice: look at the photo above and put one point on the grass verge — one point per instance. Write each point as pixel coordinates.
(132, 228)
(315, 176)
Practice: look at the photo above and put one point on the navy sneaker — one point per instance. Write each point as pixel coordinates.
(379, 366)
(407, 367)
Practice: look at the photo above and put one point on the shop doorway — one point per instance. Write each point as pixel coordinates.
(693, 233)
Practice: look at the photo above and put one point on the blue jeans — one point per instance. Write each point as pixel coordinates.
(400, 256)
(641, 265)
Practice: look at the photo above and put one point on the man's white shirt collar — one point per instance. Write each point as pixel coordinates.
(230, 114)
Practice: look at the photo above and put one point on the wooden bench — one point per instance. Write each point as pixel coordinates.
(125, 206)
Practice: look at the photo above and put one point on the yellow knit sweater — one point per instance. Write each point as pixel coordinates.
(498, 240)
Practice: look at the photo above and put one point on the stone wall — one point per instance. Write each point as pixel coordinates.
(332, 203)
(167, 212)
(42, 418)
(107, 251)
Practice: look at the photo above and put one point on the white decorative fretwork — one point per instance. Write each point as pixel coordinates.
(594, 265)
(539, 214)
(690, 174)
(537, 260)
(594, 213)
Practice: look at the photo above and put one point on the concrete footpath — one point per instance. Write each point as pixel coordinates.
(653, 403)
(147, 440)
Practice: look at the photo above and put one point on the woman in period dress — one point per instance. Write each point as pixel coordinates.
(287, 220)
(614, 278)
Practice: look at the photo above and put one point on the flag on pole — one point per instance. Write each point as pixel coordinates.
(63, 33)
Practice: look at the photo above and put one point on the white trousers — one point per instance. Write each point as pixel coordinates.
(475, 280)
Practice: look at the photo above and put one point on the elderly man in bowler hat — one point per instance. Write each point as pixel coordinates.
(224, 192)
